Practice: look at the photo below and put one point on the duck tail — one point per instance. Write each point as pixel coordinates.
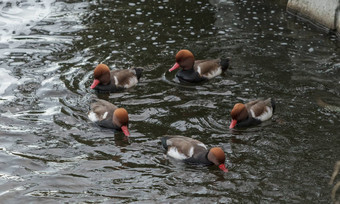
(225, 64)
(139, 72)
(273, 103)
(163, 140)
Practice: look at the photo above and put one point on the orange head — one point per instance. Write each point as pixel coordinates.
(216, 155)
(184, 59)
(101, 75)
(121, 119)
(238, 113)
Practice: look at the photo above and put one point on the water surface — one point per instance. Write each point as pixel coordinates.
(51, 152)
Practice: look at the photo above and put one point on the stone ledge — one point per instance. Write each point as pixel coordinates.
(324, 13)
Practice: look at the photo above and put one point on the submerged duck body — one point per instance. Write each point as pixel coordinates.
(116, 80)
(252, 113)
(194, 71)
(193, 151)
(107, 115)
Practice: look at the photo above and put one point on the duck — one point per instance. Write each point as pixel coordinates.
(193, 151)
(116, 80)
(252, 113)
(194, 71)
(107, 115)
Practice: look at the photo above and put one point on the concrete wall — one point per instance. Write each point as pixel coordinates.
(325, 13)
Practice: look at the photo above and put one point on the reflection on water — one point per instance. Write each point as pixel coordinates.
(51, 152)
(337, 184)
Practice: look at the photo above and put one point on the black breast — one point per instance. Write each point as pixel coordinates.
(107, 122)
(107, 88)
(250, 121)
(190, 76)
(199, 158)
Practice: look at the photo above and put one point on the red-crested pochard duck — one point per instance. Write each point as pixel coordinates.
(116, 80)
(197, 70)
(252, 113)
(193, 151)
(107, 115)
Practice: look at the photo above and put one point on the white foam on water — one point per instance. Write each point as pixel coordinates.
(7, 80)
(52, 111)
(18, 17)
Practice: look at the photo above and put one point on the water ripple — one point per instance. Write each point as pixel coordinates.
(51, 151)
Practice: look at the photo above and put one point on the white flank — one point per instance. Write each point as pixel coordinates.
(133, 81)
(116, 80)
(252, 113)
(216, 72)
(268, 113)
(173, 152)
(191, 151)
(202, 145)
(105, 115)
(93, 116)
(199, 69)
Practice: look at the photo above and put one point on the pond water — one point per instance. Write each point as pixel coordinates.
(51, 152)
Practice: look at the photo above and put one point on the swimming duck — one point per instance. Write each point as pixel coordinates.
(252, 113)
(116, 80)
(197, 70)
(193, 151)
(107, 115)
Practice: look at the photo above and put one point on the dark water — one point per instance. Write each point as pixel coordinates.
(51, 152)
